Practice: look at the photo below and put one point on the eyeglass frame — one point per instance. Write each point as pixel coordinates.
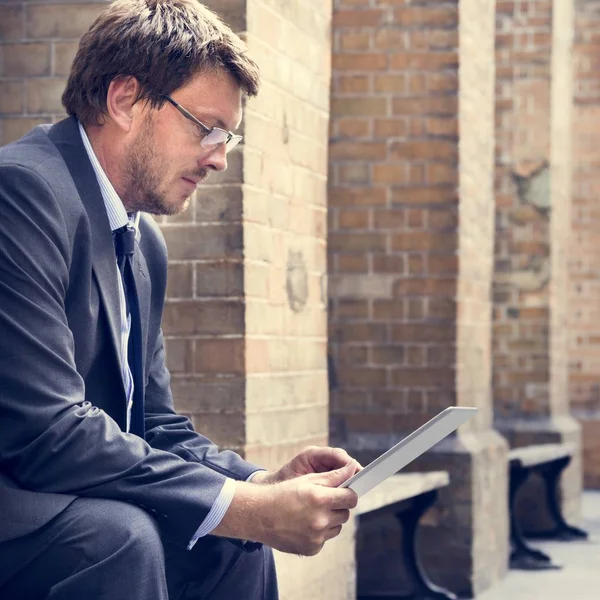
(188, 115)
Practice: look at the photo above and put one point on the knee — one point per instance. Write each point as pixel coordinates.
(122, 528)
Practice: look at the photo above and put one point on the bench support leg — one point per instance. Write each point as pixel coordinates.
(422, 585)
(562, 531)
(523, 556)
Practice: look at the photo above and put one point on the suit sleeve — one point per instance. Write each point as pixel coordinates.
(51, 438)
(168, 431)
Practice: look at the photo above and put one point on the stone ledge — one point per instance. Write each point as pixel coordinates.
(530, 456)
(401, 487)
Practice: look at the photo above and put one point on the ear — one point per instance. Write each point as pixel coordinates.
(120, 101)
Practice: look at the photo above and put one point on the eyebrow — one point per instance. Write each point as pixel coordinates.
(219, 123)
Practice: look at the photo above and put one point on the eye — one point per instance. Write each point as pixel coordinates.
(200, 132)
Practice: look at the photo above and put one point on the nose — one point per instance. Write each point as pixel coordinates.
(216, 158)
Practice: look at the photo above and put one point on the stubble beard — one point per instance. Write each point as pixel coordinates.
(145, 173)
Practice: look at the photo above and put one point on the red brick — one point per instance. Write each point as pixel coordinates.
(425, 150)
(425, 16)
(180, 280)
(356, 241)
(25, 60)
(222, 356)
(362, 377)
(352, 263)
(390, 173)
(388, 310)
(438, 173)
(424, 241)
(361, 332)
(416, 264)
(351, 41)
(351, 128)
(442, 126)
(390, 83)
(424, 378)
(388, 355)
(12, 22)
(388, 219)
(357, 18)
(425, 195)
(439, 264)
(425, 286)
(352, 197)
(351, 84)
(388, 128)
(189, 317)
(353, 218)
(446, 105)
(359, 106)
(417, 84)
(357, 150)
(389, 263)
(391, 38)
(353, 355)
(360, 62)
(424, 332)
(352, 309)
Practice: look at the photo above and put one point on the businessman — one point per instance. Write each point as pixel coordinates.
(105, 491)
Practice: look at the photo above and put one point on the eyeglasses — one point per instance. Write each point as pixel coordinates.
(211, 136)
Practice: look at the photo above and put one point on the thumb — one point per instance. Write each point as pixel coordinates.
(336, 477)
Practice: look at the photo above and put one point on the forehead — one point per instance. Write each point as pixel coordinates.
(213, 96)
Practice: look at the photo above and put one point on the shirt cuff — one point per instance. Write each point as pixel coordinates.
(251, 476)
(216, 513)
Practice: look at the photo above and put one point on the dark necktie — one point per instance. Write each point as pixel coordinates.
(124, 239)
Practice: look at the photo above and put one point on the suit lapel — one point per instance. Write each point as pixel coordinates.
(67, 139)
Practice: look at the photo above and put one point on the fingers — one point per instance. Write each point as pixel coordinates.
(333, 532)
(336, 477)
(339, 517)
(324, 459)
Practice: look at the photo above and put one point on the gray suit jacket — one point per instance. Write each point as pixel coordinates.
(62, 397)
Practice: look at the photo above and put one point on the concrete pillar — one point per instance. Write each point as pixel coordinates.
(584, 259)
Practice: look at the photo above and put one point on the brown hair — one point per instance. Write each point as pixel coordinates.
(162, 43)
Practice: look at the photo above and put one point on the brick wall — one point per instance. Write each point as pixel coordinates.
(204, 318)
(409, 290)
(584, 264)
(523, 205)
(38, 41)
(392, 218)
(533, 193)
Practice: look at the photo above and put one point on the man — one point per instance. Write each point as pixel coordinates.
(105, 492)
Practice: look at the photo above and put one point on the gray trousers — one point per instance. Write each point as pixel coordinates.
(105, 549)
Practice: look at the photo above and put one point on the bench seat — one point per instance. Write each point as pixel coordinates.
(549, 461)
(401, 487)
(407, 497)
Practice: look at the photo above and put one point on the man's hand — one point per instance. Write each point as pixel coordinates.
(313, 459)
(297, 515)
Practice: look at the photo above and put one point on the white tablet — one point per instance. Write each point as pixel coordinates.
(410, 448)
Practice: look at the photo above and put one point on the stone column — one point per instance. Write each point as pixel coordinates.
(584, 263)
(411, 158)
(533, 178)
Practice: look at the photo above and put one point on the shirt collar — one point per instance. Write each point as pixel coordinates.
(115, 210)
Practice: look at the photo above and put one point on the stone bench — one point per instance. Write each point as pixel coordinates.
(549, 461)
(407, 497)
